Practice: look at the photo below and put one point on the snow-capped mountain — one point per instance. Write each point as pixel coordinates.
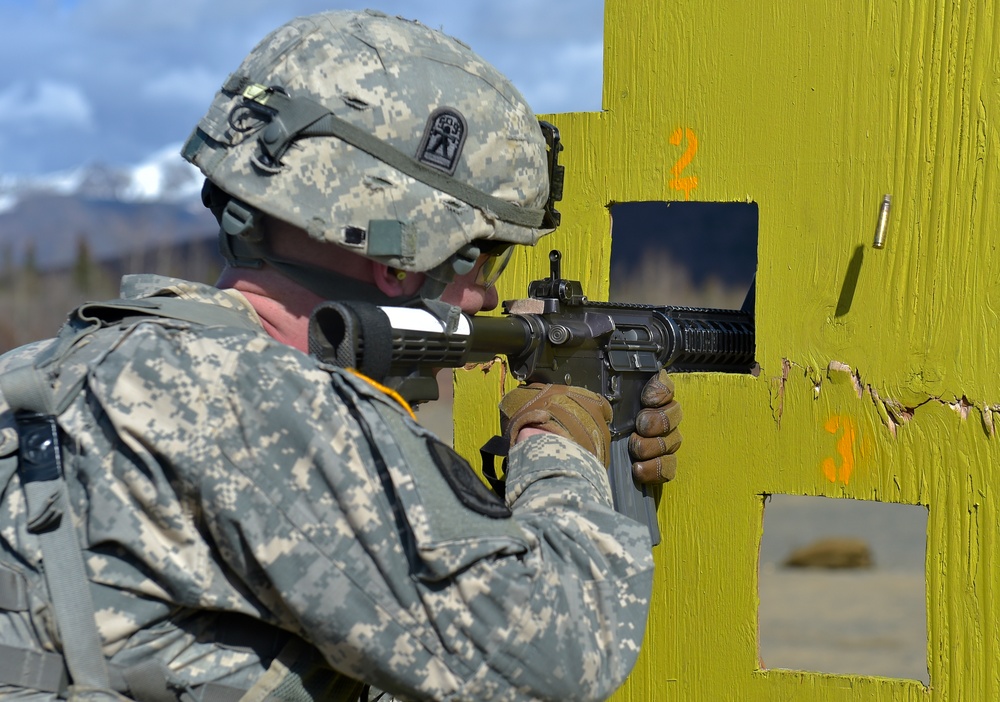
(163, 177)
(117, 211)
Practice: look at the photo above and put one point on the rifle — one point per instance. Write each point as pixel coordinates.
(555, 335)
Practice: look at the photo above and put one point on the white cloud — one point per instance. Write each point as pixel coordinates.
(192, 85)
(583, 56)
(571, 81)
(139, 80)
(47, 103)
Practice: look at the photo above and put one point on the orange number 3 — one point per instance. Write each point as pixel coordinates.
(845, 449)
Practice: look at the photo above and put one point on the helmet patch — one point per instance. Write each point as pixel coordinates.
(444, 137)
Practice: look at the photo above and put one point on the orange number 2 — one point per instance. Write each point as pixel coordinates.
(688, 183)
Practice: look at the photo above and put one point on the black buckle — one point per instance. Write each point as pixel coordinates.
(40, 458)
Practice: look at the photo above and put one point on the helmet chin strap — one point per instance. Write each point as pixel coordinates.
(243, 245)
(330, 285)
(429, 295)
(243, 252)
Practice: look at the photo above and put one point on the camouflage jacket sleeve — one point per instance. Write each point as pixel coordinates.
(255, 481)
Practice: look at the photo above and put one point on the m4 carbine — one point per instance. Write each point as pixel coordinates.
(555, 335)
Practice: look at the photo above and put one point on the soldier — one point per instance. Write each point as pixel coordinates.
(243, 521)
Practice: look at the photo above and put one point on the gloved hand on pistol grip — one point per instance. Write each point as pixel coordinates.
(571, 412)
(656, 438)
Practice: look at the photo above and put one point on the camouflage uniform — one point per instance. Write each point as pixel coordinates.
(233, 494)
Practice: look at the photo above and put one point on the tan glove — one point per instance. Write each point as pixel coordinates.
(571, 412)
(656, 438)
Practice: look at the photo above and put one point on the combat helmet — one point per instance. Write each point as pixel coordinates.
(381, 136)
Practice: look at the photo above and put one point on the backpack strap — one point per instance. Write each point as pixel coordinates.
(194, 311)
(50, 517)
(34, 670)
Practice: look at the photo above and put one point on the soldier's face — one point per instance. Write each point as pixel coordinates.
(467, 293)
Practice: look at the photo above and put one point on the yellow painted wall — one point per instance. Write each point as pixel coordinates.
(813, 110)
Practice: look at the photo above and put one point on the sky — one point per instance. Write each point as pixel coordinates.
(114, 81)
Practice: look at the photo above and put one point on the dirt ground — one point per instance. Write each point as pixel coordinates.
(850, 622)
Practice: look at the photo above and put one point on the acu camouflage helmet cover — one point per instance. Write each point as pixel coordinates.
(381, 136)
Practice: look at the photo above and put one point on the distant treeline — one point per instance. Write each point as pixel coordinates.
(683, 254)
(34, 301)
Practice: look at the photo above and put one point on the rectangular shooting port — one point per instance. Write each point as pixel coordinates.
(695, 254)
(842, 587)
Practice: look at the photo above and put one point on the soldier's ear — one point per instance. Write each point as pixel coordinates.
(394, 282)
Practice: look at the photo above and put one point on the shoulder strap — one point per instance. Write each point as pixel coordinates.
(194, 311)
(91, 316)
(50, 516)
(26, 390)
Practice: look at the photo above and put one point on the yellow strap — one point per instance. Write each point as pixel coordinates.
(388, 391)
